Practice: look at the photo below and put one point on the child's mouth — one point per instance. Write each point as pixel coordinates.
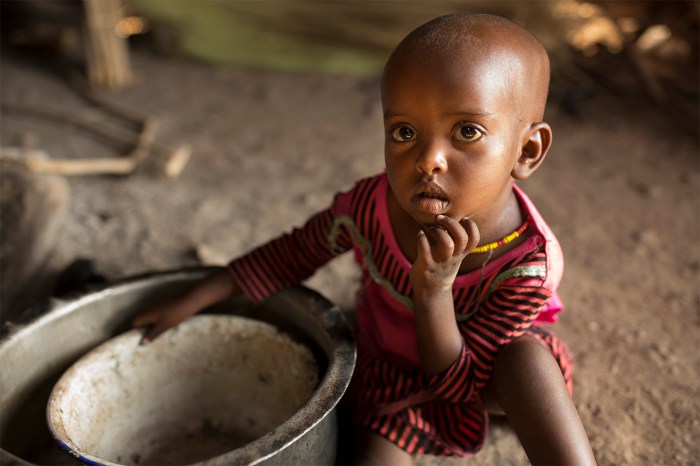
(432, 195)
(432, 201)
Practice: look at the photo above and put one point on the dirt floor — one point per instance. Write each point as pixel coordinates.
(621, 188)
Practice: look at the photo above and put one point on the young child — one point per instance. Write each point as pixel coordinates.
(459, 270)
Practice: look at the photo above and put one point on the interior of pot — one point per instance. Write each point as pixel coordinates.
(37, 352)
(210, 386)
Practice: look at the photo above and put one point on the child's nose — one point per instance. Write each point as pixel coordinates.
(432, 157)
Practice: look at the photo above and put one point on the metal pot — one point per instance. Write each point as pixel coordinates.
(35, 354)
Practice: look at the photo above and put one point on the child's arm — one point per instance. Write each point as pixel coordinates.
(278, 264)
(511, 306)
(170, 312)
(440, 254)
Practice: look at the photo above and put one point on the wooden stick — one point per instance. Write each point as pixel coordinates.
(101, 166)
(177, 158)
(107, 54)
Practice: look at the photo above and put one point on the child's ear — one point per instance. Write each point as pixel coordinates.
(538, 140)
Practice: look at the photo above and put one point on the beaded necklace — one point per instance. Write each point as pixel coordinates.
(505, 240)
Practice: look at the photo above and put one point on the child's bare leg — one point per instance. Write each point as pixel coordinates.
(373, 449)
(529, 388)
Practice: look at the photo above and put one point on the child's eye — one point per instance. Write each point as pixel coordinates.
(403, 134)
(467, 133)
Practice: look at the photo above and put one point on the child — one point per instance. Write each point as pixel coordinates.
(460, 271)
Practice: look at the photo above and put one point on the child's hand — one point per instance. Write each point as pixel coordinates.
(170, 312)
(441, 250)
(163, 316)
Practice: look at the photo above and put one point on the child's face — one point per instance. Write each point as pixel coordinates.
(452, 135)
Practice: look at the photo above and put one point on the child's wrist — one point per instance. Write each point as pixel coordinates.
(432, 297)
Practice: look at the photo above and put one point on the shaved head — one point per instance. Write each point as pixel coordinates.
(459, 40)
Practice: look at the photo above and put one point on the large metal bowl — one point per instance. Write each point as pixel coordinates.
(36, 353)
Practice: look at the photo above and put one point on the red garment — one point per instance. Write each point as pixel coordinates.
(441, 414)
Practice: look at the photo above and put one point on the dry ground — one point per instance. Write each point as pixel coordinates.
(621, 188)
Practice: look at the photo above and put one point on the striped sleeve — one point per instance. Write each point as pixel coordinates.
(507, 313)
(294, 256)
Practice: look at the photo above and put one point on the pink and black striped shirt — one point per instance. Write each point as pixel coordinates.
(493, 305)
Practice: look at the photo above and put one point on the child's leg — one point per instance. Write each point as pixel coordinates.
(373, 449)
(528, 386)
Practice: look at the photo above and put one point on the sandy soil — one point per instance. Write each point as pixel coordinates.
(621, 188)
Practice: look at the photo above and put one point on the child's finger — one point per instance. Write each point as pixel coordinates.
(472, 231)
(424, 253)
(155, 324)
(441, 242)
(150, 334)
(457, 234)
(154, 332)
